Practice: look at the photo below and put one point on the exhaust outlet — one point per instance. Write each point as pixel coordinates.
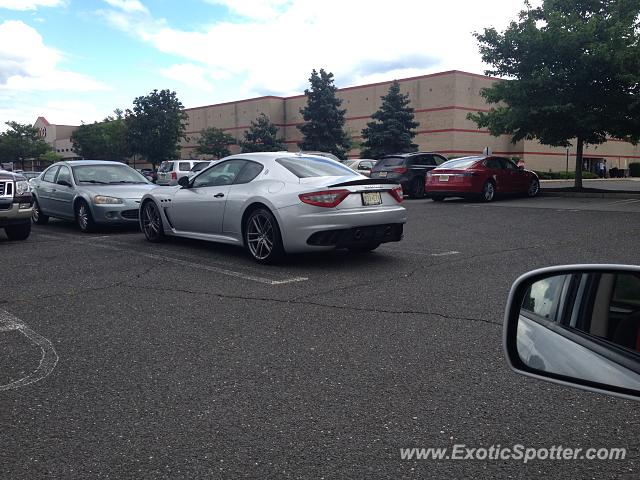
(358, 235)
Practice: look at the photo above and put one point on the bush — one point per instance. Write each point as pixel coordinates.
(563, 175)
(634, 169)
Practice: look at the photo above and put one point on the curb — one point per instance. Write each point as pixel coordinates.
(620, 195)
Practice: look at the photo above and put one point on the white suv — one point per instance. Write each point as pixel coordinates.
(171, 171)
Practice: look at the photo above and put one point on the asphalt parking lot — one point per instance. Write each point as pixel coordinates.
(187, 360)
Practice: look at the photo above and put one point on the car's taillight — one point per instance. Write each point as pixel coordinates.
(400, 170)
(174, 176)
(397, 194)
(325, 198)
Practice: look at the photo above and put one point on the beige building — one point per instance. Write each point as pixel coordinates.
(441, 102)
(58, 136)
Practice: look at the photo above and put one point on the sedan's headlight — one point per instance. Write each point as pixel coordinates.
(103, 200)
(22, 187)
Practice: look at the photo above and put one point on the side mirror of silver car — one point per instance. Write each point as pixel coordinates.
(577, 325)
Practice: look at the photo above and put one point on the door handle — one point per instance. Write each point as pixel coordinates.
(218, 195)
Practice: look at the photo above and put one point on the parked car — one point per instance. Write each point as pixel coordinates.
(198, 167)
(408, 169)
(577, 325)
(29, 175)
(15, 205)
(170, 171)
(323, 154)
(150, 174)
(362, 165)
(89, 192)
(481, 176)
(275, 203)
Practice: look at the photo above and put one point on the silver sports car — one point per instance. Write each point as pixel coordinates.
(89, 192)
(275, 203)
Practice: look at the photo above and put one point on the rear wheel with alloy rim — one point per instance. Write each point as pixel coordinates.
(37, 216)
(488, 192)
(262, 236)
(84, 219)
(151, 222)
(534, 187)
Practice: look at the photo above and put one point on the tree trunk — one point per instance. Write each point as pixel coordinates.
(579, 161)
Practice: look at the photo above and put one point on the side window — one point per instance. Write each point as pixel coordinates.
(439, 160)
(224, 173)
(64, 174)
(493, 163)
(507, 164)
(50, 175)
(249, 172)
(184, 166)
(365, 166)
(422, 160)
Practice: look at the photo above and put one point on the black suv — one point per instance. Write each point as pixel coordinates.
(408, 169)
(16, 205)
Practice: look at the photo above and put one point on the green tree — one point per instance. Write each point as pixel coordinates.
(21, 142)
(102, 140)
(156, 125)
(262, 136)
(50, 157)
(393, 130)
(574, 69)
(214, 141)
(323, 129)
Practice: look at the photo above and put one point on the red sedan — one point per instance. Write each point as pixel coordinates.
(481, 176)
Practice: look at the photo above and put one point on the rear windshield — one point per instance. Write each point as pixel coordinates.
(461, 163)
(165, 167)
(305, 167)
(390, 162)
(108, 174)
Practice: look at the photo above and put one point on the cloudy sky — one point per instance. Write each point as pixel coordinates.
(78, 60)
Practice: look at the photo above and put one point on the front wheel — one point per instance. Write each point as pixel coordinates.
(488, 192)
(84, 219)
(534, 187)
(262, 236)
(151, 222)
(18, 232)
(37, 216)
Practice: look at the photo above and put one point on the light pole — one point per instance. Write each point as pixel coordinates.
(567, 167)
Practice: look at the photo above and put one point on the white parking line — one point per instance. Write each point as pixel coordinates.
(628, 200)
(49, 358)
(177, 261)
(444, 254)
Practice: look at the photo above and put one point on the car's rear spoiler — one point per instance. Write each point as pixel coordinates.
(365, 181)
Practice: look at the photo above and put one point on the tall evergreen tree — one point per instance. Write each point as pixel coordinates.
(323, 129)
(262, 136)
(393, 130)
(575, 70)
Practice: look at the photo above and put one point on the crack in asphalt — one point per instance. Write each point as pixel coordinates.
(314, 304)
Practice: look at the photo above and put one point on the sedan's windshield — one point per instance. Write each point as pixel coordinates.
(461, 163)
(107, 174)
(305, 167)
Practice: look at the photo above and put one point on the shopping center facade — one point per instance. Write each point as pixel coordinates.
(441, 103)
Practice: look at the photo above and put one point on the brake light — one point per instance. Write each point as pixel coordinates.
(397, 194)
(400, 170)
(325, 198)
(174, 176)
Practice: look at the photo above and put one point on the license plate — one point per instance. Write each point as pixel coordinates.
(371, 198)
(444, 178)
(382, 174)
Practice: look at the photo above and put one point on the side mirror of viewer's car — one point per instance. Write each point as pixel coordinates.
(577, 325)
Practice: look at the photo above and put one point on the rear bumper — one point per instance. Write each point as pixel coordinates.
(451, 190)
(303, 226)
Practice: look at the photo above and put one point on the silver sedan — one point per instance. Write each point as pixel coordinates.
(275, 203)
(89, 192)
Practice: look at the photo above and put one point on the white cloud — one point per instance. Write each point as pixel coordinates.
(193, 76)
(30, 4)
(275, 47)
(29, 64)
(128, 6)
